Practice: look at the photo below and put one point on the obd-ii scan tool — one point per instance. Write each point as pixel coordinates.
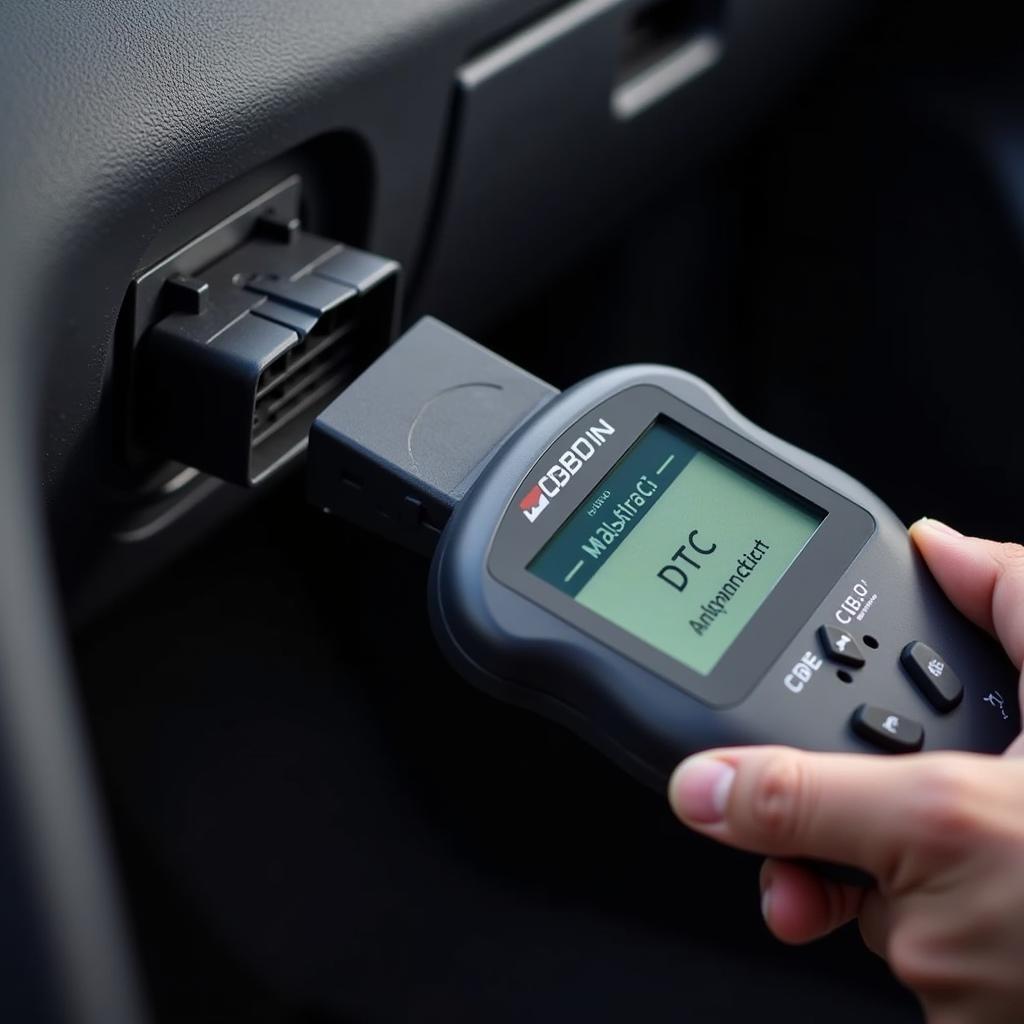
(634, 559)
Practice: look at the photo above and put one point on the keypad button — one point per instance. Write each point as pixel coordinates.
(932, 675)
(887, 729)
(840, 646)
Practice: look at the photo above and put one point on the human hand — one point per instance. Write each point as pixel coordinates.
(942, 833)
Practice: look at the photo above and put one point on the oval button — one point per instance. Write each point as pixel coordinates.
(932, 675)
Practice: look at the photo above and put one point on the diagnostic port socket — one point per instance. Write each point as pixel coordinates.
(244, 352)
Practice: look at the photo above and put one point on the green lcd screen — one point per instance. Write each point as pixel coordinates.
(679, 545)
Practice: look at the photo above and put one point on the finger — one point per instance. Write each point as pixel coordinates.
(843, 808)
(799, 906)
(983, 578)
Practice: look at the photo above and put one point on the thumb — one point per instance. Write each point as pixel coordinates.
(842, 808)
(983, 578)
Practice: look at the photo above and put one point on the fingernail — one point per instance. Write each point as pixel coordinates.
(766, 901)
(699, 789)
(938, 526)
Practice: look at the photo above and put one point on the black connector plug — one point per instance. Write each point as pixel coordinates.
(250, 349)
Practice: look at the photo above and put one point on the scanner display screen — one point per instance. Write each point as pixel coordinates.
(678, 545)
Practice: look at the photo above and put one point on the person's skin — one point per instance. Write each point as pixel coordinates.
(942, 833)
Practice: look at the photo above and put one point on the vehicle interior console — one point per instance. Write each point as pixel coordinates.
(234, 765)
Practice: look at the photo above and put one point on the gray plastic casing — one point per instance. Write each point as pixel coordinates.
(518, 650)
(400, 446)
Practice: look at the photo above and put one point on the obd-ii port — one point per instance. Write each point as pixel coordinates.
(243, 352)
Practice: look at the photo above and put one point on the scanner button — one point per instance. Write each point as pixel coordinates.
(887, 729)
(932, 675)
(840, 646)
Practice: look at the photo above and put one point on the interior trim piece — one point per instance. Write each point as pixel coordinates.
(544, 32)
(683, 65)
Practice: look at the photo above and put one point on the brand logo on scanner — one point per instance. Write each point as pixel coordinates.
(534, 503)
(567, 465)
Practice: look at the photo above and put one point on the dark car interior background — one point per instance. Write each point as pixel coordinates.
(237, 781)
